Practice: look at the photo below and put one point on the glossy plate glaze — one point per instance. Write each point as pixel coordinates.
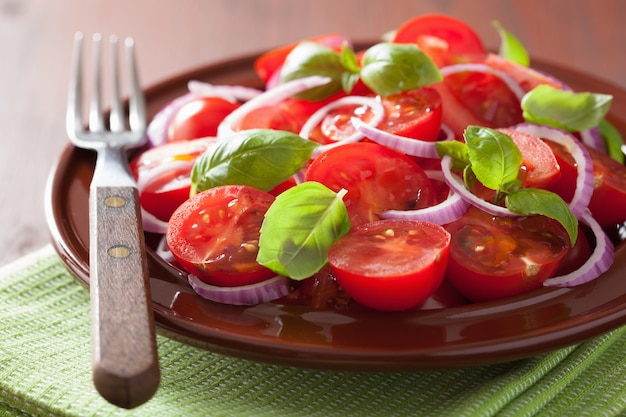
(433, 338)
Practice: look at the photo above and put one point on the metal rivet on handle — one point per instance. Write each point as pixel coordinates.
(118, 251)
(115, 201)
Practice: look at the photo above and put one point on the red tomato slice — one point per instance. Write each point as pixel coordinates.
(444, 38)
(539, 164)
(391, 265)
(377, 179)
(608, 202)
(289, 115)
(486, 101)
(414, 114)
(215, 235)
(493, 257)
(162, 174)
(199, 118)
(528, 78)
(268, 63)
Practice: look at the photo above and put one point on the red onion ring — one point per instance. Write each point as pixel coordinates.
(268, 98)
(410, 146)
(584, 164)
(157, 128)
(593, 138)
(599, 262)
(513, 85)
(449, 210)
(456, 184)
(233, 93)
(151, 223)
(371, 102)
(268, 290)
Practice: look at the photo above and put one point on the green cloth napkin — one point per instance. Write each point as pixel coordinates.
(45, 371)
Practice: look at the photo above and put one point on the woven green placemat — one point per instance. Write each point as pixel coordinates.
(45, 371)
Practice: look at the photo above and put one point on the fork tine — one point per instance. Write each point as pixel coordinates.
(137, 104)
(96, 118)
(116, 118)
(73, 119)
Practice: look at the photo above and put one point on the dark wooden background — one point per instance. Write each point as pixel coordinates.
(174, 36)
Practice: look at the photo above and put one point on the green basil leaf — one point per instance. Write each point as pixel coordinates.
(565, 110)
(299, 228)
(260, 158)
(350, 63)
(310, 58)
(530, 201)
(510, 47)
(389, 68)
(455, 149)
(494, 157)
(613, 140)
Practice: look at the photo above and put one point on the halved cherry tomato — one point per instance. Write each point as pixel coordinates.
(199, 118)
(608, 201)
(289, 115)
(494, 257)
(162, 175)
(444, 38)
(414, 114)
(377, 179)
(391, 265)
(479, 99)
(539, 164)
(215, 235)
(267, 64)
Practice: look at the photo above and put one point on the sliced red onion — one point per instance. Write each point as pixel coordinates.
(456, 184)
(375, 105)
(268, 98)
(593, 138)
(410, 146)
(151, 223)
(163, 251)
(262, 292)
(234, 93)
(584, 164)
(157, 129)
(513, 85)
(599, 262)
(153, 173)
(449, 210)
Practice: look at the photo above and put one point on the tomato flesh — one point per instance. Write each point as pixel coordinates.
(163, 174)
(199, 118)
(377, 179)
(608, 201)
(215, 235)
(493, 257)
(392, 264)
(446, 39)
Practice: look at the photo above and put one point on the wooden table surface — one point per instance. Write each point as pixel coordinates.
(174, 36)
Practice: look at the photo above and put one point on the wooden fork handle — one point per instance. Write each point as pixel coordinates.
(125, 361)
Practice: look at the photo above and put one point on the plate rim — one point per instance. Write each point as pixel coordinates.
(332, 357)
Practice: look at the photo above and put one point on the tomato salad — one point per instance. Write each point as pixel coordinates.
(385, 177)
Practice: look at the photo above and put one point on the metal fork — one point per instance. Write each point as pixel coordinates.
(125, 363)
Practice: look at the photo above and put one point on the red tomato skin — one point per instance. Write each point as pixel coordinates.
(539, 162)
(446, 39)
(170, 189)
(267, 64)
(485, 259)
(377, 179)
(608, 201)
(199, 118)
(384, 276)
(196, 244)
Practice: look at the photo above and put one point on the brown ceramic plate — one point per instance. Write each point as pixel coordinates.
(465, 335)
